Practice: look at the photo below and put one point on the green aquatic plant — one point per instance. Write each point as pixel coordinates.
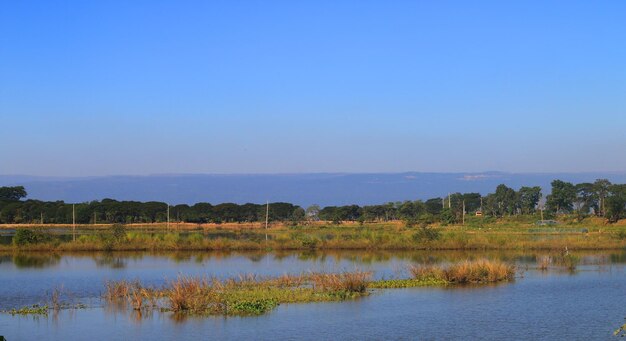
(30, 310)
(253, 307)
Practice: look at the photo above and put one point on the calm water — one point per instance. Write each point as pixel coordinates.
(586, 305)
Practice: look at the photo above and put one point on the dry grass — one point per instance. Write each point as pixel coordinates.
(116, 290)
(132, 292)
(479, 271)
(347, 281)
(55, 299)
(192, 294)
(543, 262)
(243, 295)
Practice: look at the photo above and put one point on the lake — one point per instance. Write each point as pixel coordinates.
(586, 304)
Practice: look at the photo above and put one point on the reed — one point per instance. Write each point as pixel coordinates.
(352, 282)
(116, 290)
(479, 271)
(568, 260)
(543, 262)
(243, 295)
(191, 294)
(55, 299)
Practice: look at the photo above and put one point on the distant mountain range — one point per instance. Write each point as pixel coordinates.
(302, 189)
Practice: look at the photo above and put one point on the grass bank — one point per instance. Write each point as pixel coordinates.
(498, 235)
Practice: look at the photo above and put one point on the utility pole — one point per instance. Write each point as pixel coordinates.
(449, 201)
(73, 222)
(267, 216)
(443, 203)
(168, 216)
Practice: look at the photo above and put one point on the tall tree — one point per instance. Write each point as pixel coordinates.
(12, 193)
(601, 187)
(586, 198)
(616, 203)
(528, 199)
(561, 199)
(434, 206)
(505, 199)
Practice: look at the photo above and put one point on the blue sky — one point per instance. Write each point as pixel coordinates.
(145, 87)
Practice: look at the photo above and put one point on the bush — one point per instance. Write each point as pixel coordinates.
(195, 238)
(119, 232)
(410, 222)
(172, 238)
(27, 237)
(426, 234)
(621, 235)
(309, 242)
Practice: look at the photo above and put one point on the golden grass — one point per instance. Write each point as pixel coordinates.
(347, 281)
(478, 271)
(246, 294)
(371, 236)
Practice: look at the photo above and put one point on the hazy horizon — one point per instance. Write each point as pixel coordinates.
(302, 189)
(308, 173)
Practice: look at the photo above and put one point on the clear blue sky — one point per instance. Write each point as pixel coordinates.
(145, 87)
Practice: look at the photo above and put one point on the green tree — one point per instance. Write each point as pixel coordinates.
(298, 216)
(472, 201)
(12, 193)
(561, 199)
(434, 206)
(528, 199)
(601, 187)
(504, 201)
(616, 203)
(586, 198)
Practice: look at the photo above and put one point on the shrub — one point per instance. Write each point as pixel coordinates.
(426, 234)
(621, 235)
(171, 238)
(196, 238)
(118, 231)
(410, 222)
(26, 237)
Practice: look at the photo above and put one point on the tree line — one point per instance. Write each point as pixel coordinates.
(600, 198)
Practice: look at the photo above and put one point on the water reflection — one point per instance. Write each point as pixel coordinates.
(29, 277)
(119, 260)
(37, 261)
(110, 260)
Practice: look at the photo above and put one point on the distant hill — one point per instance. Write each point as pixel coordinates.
(302, 189)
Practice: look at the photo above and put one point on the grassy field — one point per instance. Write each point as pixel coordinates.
(477, 234)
